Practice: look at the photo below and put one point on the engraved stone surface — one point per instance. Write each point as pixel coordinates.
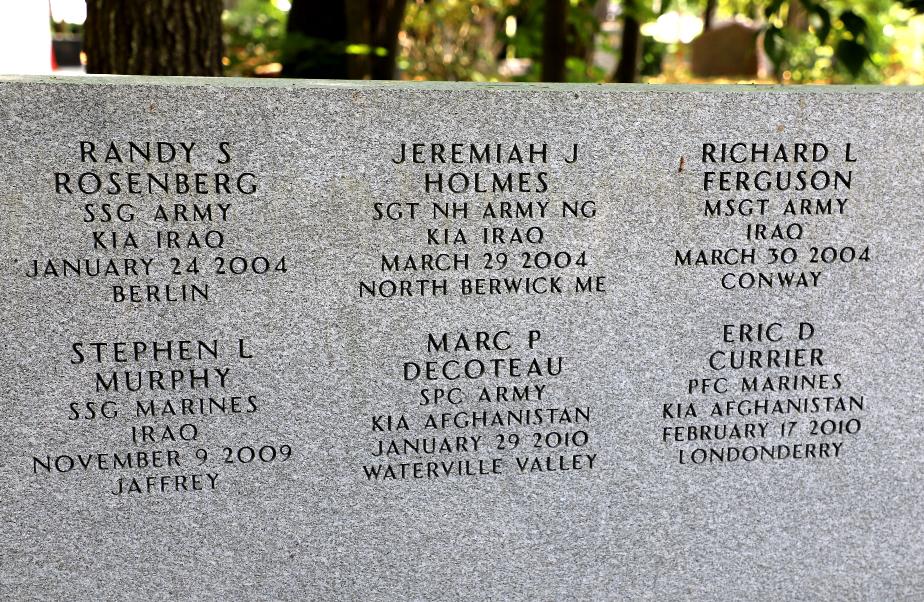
(296, 340)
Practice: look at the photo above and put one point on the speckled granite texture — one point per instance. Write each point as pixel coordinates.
(637, 516)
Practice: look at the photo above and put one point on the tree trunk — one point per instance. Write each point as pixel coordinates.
(709, 14)
(797, 17)
(154, 37)
(627, 68)
(386, 16)
(554, 40)
(316, 35)
(343, 39)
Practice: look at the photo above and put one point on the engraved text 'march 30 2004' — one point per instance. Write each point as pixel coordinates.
(350, 340)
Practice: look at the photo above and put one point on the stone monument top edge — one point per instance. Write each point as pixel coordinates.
(239, 82)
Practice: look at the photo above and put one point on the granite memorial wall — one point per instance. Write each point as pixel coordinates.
(300, 340)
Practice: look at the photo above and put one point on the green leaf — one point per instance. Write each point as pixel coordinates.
(853, 22)
(772, 8)
(774, 44)
(823, 30)
(852, 55)
(642, 12)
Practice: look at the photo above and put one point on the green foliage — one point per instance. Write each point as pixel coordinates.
(842, 42)
(582, 29)
(474, 40)
(653, 53)
(852, 55)
(254, 36)
(455, 40)
(823, 27)
(530, 16)
(853, 23)
(583, 26)
(468, 40)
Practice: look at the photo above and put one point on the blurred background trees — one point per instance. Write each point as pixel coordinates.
(343, 39)
(797, 41)
(789, 41)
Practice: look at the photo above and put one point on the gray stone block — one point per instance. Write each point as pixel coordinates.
(252, 351)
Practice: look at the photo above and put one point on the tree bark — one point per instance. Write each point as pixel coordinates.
(154, 37)
(343, 39)
(627, 69)
(554, 40)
